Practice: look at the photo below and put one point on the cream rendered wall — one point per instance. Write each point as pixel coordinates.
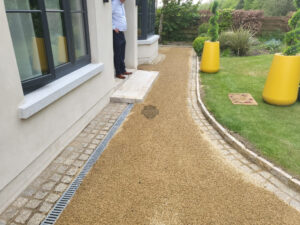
(28, 146)
(131, 52)
(148, 50)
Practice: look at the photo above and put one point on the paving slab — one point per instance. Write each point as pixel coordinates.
(135, 88)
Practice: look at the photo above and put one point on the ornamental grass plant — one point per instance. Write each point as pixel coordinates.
(239, 41)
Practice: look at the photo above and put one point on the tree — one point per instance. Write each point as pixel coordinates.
(160, 28)
(278, 7)
(240, 5)
(228, 4)
(174, 17)
(270, 7)
(258, 4)
(248, 4)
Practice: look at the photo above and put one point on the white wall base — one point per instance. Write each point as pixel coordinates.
(148, 50)
(11, 191)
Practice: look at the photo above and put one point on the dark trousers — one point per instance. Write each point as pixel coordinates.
(119, 52)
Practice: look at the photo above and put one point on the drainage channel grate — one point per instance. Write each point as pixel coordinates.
(68, 194)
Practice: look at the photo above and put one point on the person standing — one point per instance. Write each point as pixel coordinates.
(119, 26)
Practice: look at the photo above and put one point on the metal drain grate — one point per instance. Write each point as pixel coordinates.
(68, 194)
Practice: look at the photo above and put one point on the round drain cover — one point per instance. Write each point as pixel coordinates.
(150, 111)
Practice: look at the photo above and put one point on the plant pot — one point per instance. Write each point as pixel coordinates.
(62, 50)
(282, 84)
(210, 61)
(39, 58)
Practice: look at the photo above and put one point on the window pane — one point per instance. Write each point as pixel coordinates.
(58, 38)
(75, 5)
(53, 4)
(151, 16)
(140, 15)
(21, 4)
(27, 35)
(79, 35)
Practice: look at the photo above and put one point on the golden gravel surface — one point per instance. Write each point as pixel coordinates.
(161, 171)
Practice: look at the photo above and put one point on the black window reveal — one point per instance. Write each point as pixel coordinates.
(146, 18)
(50, 38)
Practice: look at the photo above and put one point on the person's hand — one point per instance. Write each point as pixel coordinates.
(117, 30)
(122, 1)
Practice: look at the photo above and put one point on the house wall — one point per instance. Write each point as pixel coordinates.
(148, 50)
(131, 52)
(28, 146)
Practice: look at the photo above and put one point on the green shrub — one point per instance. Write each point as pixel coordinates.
(292, 38)
(225, 20)
(254, 42)
(198, 44)
(238, 41)
(178, 17)
(268, 35)
(225, 39)
(226, 52)
(203, 29)
(273, 45)
(213, 21)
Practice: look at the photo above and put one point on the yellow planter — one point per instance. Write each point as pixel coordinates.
(62, 50)
(40, 62)
(281, 87)
(210, 61)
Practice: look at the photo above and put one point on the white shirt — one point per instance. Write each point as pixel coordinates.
(118, 15)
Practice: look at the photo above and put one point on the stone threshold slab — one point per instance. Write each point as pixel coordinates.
(135, 88)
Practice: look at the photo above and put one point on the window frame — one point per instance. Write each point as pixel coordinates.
(146, 17)
(73, 63)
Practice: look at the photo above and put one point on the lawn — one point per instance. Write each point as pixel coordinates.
(274, 131)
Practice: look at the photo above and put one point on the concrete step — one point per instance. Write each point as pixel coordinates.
(135, 88)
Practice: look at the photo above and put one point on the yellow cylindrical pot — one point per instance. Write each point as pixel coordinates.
(281, 87)
(62, 50)
(210, 61)
(40, 62)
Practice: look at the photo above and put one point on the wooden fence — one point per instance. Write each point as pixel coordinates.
(275, 23)
(269, 24)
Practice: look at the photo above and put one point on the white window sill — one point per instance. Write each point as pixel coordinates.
(44, 96)
(149, 41)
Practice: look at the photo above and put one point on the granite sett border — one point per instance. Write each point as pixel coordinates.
(283, 176)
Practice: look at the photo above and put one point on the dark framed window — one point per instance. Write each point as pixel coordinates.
(50, 38)
(146, 18)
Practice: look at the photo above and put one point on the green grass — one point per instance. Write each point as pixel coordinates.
(273, 130)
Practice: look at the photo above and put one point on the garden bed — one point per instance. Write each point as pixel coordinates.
(271, 131)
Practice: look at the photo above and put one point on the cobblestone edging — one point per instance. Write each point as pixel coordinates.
(70, 192)
(265, 173)
(38, 199)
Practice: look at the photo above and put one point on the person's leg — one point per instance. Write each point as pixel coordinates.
(117, 53)
(123, 46)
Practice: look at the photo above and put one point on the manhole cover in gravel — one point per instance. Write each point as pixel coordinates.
(150, 111)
